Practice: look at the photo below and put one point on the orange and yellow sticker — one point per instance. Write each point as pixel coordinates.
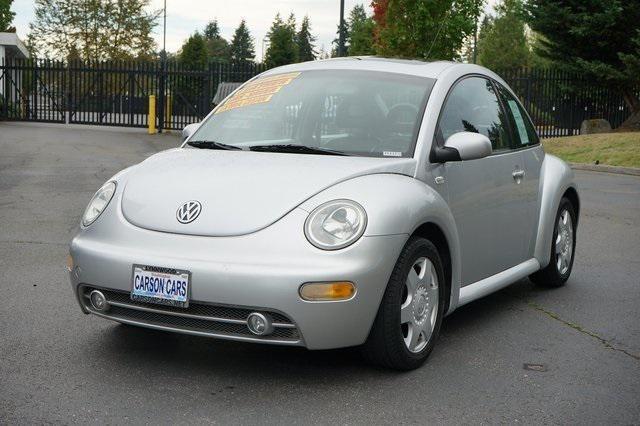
(258, 92)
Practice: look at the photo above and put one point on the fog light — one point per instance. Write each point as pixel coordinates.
(259, 324)
(98, 301)
(333, 291)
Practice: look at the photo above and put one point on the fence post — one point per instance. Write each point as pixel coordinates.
(163, 71)
(3, 87)
(132, 89)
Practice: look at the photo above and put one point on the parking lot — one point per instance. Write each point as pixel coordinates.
(524, 354)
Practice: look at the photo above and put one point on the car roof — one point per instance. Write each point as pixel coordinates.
(371, 63)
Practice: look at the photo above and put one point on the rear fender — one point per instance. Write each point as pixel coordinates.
(555, 178)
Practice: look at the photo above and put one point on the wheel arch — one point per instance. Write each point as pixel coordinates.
(407, 206)
(556, 181)
(572, 195)
(436, 235)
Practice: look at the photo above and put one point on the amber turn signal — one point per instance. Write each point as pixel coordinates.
(69, 263)
(331, 291)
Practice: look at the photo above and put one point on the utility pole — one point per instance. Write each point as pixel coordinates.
(341, 31)
(163, 72)
(164, 30)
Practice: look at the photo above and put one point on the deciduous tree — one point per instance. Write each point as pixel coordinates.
(96, 29)
(6, 15)
(193, 53)
(427, 29)
(503, 42)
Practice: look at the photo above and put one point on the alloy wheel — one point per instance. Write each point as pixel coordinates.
(419, 308)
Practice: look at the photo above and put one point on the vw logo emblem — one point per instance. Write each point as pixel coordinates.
(189, 211)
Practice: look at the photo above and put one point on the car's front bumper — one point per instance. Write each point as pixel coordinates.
(261, 271)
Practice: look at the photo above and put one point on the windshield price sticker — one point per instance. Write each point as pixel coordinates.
(258, 92)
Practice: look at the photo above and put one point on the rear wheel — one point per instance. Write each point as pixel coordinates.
(410, 314)
(563, 245)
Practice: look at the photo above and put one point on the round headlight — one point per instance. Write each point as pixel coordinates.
(336, 224)
(98, 203)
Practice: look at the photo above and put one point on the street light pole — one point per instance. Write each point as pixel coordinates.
(341, 34)
(164, 30)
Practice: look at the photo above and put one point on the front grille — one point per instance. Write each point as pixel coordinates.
(200, 317)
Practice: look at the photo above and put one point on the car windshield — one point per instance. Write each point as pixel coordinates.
(343, 112)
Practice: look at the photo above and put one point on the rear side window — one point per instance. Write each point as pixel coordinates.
(473, 106)
(524, 132)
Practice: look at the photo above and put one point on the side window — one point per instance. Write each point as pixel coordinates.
(473, 106)
(524, 132)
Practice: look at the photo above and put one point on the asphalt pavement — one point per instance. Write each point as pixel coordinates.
(524, 354)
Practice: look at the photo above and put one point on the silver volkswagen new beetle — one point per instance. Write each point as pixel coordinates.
(335, 203)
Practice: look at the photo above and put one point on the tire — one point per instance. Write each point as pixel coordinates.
(389, 340)
(557, 272)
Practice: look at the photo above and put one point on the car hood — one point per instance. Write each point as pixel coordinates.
(240, 192)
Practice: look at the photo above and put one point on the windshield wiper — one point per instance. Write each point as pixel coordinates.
(212, 145)
(295, 149)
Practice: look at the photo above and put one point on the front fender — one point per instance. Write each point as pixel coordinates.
(398, 204)
(556, 177)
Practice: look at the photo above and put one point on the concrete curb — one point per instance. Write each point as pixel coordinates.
(632, 171)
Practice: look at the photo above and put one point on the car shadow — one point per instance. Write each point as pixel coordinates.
(140, 348)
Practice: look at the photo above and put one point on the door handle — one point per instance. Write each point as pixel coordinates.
(518, 175)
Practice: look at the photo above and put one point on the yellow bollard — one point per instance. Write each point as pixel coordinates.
(167, 110)
(152, 114)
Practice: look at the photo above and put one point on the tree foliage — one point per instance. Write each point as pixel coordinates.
(282, 48)
(361, 32)
(600, 42)
(217, 47)
(242, 48)
(194, 53)
(305, 41)
(503, 41)
(93, 29)
(426, 29)
(6, 15)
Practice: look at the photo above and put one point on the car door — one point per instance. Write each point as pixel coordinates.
(526, 139)
(485, 195)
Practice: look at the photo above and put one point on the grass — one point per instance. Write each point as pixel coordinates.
(613, 149)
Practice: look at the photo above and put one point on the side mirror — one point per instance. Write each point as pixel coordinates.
(464, 146)
(189, 130)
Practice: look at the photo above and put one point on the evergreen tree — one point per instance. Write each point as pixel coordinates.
(193, 54)
(217, 46)
(598, 41)
(282, 48)
(503, 42)
(360, 32)
(427, 29)
(305, 41)
(97, 29)
(6, 15)
(242, 48)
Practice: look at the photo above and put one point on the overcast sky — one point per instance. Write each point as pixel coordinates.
(186, 16)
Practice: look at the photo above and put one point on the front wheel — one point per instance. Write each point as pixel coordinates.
(563, 246)
(410, 314)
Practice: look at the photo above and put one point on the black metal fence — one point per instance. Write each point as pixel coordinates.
(113, 93)
(559, 101)
(117, 94)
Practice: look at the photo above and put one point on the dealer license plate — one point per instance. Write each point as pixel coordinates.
(164, 286)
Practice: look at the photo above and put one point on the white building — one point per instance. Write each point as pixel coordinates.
(10, 47)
